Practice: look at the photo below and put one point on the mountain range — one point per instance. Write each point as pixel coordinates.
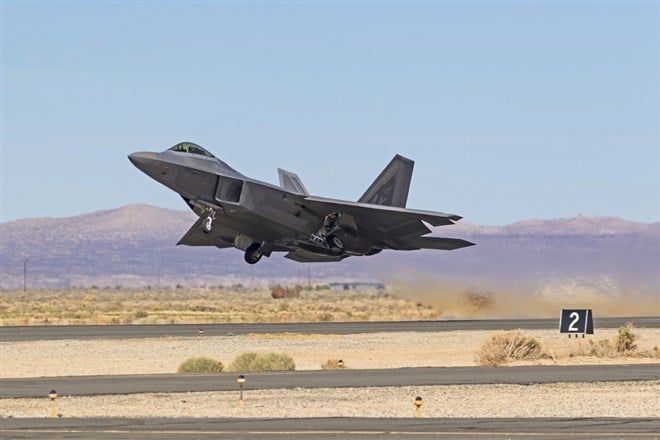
(135, 246)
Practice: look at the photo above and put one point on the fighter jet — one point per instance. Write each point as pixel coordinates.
(260, 218)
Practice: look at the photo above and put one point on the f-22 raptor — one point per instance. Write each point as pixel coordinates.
(259, 218)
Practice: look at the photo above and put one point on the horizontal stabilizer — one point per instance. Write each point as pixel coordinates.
(291, 182)
(446, 244)
(303, 256)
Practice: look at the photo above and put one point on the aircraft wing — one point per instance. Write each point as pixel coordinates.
(381, 215)
(197, 237)
(392, 227)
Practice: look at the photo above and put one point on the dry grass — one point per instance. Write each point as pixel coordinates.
(201, 305)
(506, 347)
(516, 347)
(621, 345)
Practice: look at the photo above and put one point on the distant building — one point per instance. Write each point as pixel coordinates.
(350, 285)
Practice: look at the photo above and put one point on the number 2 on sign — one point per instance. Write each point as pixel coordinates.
(575, 316)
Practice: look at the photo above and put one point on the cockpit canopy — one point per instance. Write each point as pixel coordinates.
(189, 147)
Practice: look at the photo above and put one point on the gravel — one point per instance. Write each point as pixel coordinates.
(607, 399)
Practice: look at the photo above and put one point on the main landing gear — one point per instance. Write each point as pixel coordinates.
(335, 243)
(253, 253)
(326, 235)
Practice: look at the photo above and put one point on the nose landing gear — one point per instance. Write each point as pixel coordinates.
(207, 224)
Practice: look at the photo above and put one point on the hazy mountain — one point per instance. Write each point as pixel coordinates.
(135, 245)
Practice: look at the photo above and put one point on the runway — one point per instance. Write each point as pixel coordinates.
(91, 332)
(173, 383)
(326, 428)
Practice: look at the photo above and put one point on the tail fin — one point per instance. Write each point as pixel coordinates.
(391, 186)
(291, 182)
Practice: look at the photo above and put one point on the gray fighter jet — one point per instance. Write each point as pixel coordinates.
(260, 218)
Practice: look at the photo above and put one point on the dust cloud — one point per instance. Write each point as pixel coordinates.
(453, 300)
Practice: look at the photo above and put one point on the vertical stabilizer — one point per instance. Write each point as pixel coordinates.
(391, 186)
(291, 182)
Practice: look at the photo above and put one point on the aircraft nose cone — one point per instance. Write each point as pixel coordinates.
(148, 163)
(142, 159)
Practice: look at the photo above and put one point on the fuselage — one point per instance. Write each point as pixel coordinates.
(259, 210)
(206, 181)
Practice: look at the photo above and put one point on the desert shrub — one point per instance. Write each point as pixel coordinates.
(90, 298)
(601, 348)
(625, 339)
(294, 292)
(508, 346)
(251, 361)
(200, 365)
(141, 314)
(621, 345)
(333, 364)
(243, 361)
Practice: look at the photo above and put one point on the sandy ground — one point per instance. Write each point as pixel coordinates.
(370, 350)
(607, 399)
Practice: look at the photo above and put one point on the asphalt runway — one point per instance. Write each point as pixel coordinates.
(90, 332)
(179, 383)
(330, 428)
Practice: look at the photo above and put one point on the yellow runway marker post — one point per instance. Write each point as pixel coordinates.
(240, 381)
(52, 395)
(418, 405)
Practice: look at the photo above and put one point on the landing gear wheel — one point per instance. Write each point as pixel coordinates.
(207, 225)
(335, 243)
(253, 253)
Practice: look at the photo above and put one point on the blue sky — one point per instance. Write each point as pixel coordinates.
(511, 110)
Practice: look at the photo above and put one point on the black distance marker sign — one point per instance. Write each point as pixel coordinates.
(577, 322)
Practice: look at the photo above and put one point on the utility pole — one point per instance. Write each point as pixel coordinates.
(158, 268)
(309, 275)
(25, 273)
